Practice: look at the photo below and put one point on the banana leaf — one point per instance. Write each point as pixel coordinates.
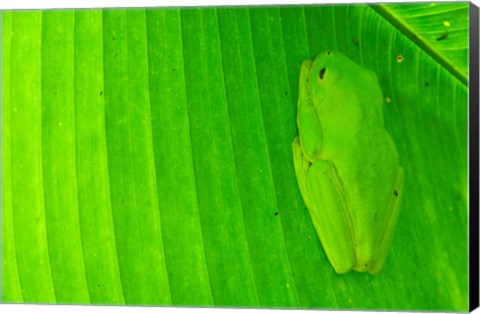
(146, 156)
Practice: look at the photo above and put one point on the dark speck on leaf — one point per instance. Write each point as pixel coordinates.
(173, 69)
(355, 41)
(101, 93)
(276, 213)
(427, 84)
(395, 193)
(444, 36)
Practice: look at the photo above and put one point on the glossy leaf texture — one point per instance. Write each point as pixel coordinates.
(147, 160)
(440, 28)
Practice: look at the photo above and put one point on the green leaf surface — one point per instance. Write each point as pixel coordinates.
(147, 157)
(440, 28)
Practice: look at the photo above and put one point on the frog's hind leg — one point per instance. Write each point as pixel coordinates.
(387, 237)
(329, 212)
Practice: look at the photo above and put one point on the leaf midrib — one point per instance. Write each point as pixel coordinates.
(418, 39)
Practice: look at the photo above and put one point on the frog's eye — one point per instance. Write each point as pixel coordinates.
(321, 74)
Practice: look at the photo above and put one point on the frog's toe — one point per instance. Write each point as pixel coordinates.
(363, 266)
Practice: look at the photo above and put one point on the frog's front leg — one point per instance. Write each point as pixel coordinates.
(393, 213)
(301, 165)
(309, 128)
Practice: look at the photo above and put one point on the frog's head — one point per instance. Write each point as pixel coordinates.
(326, 73)
(333, 75)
